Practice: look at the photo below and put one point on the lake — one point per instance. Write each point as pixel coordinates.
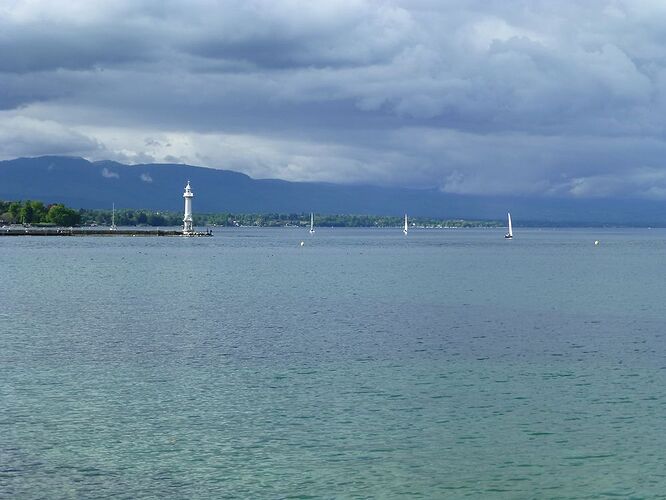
(363, 364)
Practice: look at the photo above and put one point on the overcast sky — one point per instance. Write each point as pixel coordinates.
(489, 96)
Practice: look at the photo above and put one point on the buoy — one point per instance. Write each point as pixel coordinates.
(596, 242)
(302, 243)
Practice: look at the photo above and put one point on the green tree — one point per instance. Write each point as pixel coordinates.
(63, 216)
(156, 220)
(141, 218)
(38, 211)
(14, 211)
(26, 213)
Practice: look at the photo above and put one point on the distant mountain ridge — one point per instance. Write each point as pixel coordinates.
(80, 183)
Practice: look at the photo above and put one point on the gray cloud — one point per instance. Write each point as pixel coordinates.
(25, 136)
(494, 96)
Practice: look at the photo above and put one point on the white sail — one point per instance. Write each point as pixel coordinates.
(406, 225)
(311, 222)
(510, 233)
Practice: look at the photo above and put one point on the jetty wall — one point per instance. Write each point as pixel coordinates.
(84, 231)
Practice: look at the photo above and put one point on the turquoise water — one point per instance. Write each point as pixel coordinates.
(363, 364)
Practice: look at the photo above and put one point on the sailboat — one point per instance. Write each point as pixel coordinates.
(509, 235)
(311, 223)
(406, 228)
(113, 218)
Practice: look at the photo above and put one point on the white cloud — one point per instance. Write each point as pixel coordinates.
(109, 174)
(26, 136)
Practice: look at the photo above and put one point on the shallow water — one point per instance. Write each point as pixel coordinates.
(447, 364)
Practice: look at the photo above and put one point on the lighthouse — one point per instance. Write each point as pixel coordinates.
(187, 219)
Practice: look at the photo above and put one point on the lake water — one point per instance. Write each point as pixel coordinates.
(364, 364)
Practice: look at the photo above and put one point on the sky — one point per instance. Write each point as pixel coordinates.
(491, 97)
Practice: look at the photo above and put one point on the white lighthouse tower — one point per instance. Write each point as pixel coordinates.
(187, 219)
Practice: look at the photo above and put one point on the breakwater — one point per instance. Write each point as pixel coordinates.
(84, 231)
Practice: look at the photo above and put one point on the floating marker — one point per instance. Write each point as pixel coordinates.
(596, 242)
(302, 243)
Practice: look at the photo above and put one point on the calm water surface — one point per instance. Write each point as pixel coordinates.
(363, 364)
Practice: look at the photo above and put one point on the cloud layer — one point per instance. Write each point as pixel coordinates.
(556, 98)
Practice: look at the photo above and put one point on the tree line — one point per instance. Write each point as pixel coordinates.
(35, 212)
(131, 217)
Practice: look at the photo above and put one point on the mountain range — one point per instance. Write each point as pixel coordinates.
(79, 183)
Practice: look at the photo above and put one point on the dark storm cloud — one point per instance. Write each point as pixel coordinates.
(319, 35)
(26, 51)
(478, 97)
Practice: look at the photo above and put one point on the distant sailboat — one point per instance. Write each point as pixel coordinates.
(509, 235)
(311, 223)
(113, 218)
(406, 228)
